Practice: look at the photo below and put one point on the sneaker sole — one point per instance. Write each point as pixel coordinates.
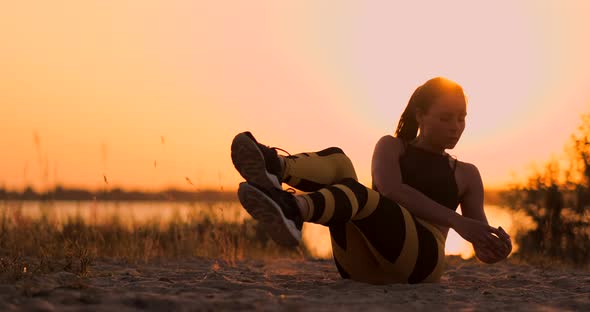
(250, 163)
(262, 208)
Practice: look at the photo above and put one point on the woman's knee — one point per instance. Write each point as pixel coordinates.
(330, 151)
(345, 167)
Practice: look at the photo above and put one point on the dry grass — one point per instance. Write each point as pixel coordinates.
(30, 246)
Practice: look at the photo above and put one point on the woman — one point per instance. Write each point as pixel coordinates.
(396, 231)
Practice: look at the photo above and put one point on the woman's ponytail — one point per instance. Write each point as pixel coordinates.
(407, 127)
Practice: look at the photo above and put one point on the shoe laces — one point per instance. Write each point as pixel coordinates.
(280, 149)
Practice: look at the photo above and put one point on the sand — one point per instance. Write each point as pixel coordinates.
(287, 284)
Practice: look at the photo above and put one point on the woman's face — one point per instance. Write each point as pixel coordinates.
(443, 123)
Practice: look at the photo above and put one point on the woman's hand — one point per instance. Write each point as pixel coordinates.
(479, 233)
(497, 253)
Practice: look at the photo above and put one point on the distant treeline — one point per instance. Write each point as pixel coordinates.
(61, 193)
(492, 197)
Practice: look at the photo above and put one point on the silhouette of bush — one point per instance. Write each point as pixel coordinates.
(557, 199)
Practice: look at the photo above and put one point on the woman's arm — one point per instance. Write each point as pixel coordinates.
(472, 206)
(386, 175)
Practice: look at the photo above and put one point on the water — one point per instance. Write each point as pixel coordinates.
(315, 237)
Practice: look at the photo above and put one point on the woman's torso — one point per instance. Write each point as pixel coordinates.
(438, 176)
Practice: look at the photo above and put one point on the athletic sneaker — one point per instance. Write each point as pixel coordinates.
(276, 210)
(257, 163)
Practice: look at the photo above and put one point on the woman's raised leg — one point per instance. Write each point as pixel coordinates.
(261, 165)
(312, 171)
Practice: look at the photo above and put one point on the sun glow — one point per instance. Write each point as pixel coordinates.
(302, 76)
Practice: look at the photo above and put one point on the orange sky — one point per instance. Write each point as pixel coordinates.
(101, 84)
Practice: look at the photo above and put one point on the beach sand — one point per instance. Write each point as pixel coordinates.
(288, 284)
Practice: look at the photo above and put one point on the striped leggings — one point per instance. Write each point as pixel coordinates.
(374, 240)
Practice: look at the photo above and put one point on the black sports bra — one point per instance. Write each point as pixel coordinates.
(431, 174)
